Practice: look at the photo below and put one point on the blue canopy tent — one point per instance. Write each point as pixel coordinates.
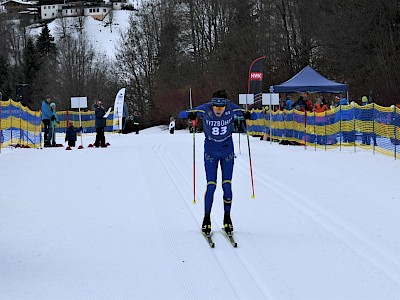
(309, 80)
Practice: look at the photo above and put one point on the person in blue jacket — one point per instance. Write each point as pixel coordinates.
(46, 115)
(218, 116)
(345, 115)
(100, 124)
(53, 121)
(71, 134)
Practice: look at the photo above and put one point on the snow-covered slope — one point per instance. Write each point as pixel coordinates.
(119, 223)
(99, 34)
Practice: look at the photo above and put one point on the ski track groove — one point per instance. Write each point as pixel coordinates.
(175, 248)
(165, 165)
(356, 242)
(215, 237)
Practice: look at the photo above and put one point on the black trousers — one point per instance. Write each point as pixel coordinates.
(136, 128)
(71, 143)
(46, 124)
(100, 138)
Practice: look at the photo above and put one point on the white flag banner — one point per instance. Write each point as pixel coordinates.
(118, 107)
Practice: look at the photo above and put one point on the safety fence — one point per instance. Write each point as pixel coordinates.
(22, 127)
(371, 127)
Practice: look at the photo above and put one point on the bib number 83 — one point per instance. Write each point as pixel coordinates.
(219, 130)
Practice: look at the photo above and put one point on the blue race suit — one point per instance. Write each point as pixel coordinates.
(218, 148)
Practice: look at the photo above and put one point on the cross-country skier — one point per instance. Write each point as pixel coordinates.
(217, 117)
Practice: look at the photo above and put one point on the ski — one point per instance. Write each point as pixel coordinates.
(209, 239)
(230, 237)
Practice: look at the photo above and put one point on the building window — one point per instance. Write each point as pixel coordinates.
(98, 10)
(48, 7)
(104, 10)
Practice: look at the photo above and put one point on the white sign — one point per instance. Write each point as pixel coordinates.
(246, 99)
(78, 102)
(270, 99)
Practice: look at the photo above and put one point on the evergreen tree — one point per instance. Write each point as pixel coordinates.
(45, 43)
(4, 73)
(31, 64)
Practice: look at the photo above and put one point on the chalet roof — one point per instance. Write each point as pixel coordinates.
(27, 3)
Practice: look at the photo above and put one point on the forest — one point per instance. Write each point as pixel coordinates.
(172, 47)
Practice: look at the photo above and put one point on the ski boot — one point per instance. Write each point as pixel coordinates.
(206, 227)
(228, 227)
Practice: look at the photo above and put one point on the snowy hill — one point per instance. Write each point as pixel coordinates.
(119, 223)
(102, 37)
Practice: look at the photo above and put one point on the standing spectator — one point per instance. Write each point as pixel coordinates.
(53, 121)
(46, 115)
(319, 106)
(100, 124)
(301, 104)
(309, 105)
(171, 125)
(289, 103)
(70, 134)
(344, 115)
(367, 116)
(217, 118)
(282, 104)
(320, 121)
(125, 115)
(136, 121)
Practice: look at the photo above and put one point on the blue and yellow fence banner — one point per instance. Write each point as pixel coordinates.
(371, 127)
(22, 127)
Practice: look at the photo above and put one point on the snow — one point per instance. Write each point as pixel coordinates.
(99, 34)
(119, 223)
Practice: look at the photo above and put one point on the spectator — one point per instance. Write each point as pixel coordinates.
(309, 105)
(320, 121)
(289, 103)
(282, 104)
(319, 107)
(171, 125)
(136, 121)
(53, 121)
(125, 115)
(301, 104)
(46, 115)
(71, 134)
(344, 115)
(100, 124)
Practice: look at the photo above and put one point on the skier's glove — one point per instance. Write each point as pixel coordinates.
(53, 117)
(192, 115)
(247, 114)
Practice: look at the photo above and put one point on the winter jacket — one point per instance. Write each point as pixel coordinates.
(319, 108)
(56, 121)
(289, 104)
(70, 134)
(136, 119)
(344, 114)
(99, 113)
(46, 111)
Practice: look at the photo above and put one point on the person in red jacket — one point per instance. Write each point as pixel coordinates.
(319, 107)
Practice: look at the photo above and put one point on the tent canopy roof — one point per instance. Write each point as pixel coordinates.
(309, 80)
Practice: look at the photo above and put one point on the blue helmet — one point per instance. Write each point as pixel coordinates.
(219, 101)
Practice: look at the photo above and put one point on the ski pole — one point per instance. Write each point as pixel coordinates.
(251, 166)
(194, 164)
(240, 151)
